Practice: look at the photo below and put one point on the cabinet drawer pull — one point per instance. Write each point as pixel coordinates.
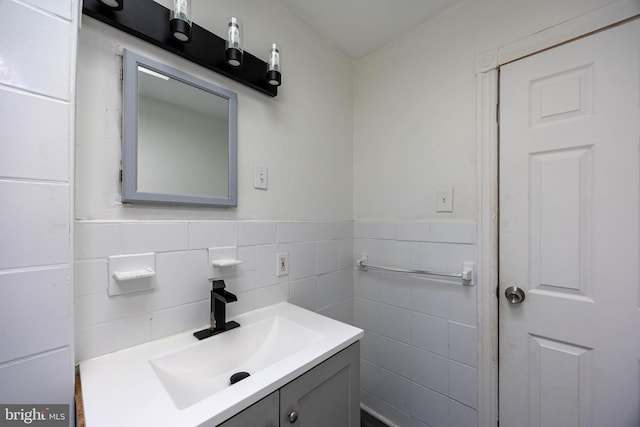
(293, 417)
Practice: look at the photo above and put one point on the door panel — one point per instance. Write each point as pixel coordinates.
(327, 395)
(263, 413)
(560, 383)
(570, 233)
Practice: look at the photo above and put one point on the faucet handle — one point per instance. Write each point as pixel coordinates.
(217, 284)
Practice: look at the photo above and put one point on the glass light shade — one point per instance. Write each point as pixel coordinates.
(274, 66)
(113, 4)
(234, 42)
(181, 20)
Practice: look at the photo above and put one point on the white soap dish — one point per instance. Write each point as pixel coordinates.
(226, 262)
(121, 276)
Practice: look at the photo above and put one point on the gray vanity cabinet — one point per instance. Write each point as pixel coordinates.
(264, 413)
(326, 395)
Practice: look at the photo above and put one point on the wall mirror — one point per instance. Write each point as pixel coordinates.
(179, 137)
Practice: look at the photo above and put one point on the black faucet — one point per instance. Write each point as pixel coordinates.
(219, 300)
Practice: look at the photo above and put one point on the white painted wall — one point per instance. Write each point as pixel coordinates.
(304, 135)
(415, 107)
(36, 188)
(415, 131)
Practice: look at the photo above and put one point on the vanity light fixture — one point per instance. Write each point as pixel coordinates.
(233, 53)
(172, 29)
(112, 4)
(274, 75)
(181, 20)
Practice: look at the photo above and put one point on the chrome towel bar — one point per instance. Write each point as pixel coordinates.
(466, 276)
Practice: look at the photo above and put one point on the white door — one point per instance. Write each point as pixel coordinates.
(569, 234)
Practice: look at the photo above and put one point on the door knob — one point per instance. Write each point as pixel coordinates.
(293, 417)
(514, 295)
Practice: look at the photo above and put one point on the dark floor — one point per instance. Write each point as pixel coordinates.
(368, 420)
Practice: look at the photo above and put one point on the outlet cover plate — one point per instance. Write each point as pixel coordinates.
(282, 264)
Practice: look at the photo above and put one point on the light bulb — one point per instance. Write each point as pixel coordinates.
(234, 43)
(274, 67)
(181, 20)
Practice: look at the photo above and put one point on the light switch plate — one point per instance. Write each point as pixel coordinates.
(444, 200)
(260, 177)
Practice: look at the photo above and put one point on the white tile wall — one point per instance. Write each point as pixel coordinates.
(399, 417)
(206, 234)
(395, 322)
(38, 39)
(430, 370)
(177, 319)
(97, 240)
(419, 357)
(429, 333)
(304, 260)
(463, 383)
(39, 215)
(419, 353)
(37, 300)
(428, 406)
(463, 343)
(44, 149)
(461, 415)
(303, 293)
(320, 279)
(41, 378)
(322, 231)
(290, 232)
(61, 8)
(256, 233)
(37, 61)
(154, 236)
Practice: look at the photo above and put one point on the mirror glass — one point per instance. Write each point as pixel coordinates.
(179, 136)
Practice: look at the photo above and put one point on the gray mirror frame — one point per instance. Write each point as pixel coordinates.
(130, 193)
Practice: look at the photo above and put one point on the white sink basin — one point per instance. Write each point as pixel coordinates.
(180, 381)
(204, 368)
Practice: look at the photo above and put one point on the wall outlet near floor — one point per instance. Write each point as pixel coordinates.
(444, 200)
(282, 267)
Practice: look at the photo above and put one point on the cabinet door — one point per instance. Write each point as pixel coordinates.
(263, 413)
(327, 395)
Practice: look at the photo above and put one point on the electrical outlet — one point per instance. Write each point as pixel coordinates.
(282, 267)
(260, 177)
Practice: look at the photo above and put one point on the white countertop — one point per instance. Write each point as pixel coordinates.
(121, 389)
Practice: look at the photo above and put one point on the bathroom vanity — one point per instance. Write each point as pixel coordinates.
(303, 369)
(327, 395)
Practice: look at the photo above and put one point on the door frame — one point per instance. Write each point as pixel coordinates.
(487, 90)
